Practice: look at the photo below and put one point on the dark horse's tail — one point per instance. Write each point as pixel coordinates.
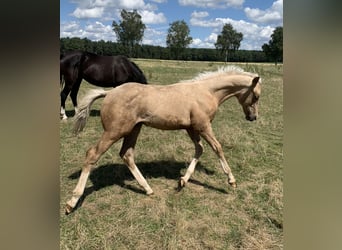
(84, 108)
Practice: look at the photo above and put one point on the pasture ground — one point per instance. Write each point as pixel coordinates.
(207, 213)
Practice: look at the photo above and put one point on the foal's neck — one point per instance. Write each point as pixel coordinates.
(228, 86)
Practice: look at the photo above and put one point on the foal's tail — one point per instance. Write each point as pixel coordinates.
(84, 108)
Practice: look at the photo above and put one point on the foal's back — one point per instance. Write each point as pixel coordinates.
(165, 107)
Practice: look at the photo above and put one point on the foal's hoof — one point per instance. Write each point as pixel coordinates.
(149, 193)
(233, 184)
(181, 184)
(63, 118)
(68, 209)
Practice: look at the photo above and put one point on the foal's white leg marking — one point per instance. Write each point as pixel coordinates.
(79, 189)
(189, 172)
(127, 155)
(128, 158)
(228, 171)
(140, 179)
(62, 113)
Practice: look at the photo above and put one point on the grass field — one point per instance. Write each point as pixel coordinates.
(207, 214)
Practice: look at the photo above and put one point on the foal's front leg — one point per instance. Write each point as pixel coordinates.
(208, 135)
(127, 155)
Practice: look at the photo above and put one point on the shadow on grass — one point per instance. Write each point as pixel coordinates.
(95, 112)
(117, 174)
(70, 113)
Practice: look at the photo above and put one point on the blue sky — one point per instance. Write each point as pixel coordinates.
(256, 19)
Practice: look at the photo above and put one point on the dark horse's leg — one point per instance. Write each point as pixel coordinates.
(72, 84)
(64, 94)
(74, 92)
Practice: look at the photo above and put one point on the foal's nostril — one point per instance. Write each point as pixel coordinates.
(251, 117)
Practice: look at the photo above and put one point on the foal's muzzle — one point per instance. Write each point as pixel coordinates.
(251, 117)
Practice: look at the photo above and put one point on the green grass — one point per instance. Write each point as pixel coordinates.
(207, 213)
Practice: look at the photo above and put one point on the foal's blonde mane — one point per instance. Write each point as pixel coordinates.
(220, 71)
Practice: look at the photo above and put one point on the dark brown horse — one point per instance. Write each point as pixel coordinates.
(102, 71)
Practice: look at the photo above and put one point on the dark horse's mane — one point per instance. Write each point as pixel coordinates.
(102, 71)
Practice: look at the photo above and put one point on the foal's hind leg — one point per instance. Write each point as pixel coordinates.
(93, 155)
(127, 154)
(194, 135)
(208, 135)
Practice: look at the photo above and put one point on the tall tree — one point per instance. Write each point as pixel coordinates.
(229, 40)
(178, 38)
(274, 49)
(130, 30)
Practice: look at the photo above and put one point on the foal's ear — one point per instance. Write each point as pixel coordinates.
(255, 81)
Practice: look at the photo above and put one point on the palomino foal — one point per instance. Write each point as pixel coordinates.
(189, 105)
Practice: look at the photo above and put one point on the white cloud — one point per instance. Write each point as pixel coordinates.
(253, 35)
(97, 27)
(88, 13)
(198, 43)
(102, 3)
(70, 26)
(209, 42)
(109, 9)
(94, 31)
(212, 38)
(212, 3)
(118, 4)
(131, 4)
(199, 14)
(149, 17)
(159, 1)
(197, 20)
(154, 37)
(274, 14)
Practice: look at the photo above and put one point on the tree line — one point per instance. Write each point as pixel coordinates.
(130, 32)
(157, 52)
